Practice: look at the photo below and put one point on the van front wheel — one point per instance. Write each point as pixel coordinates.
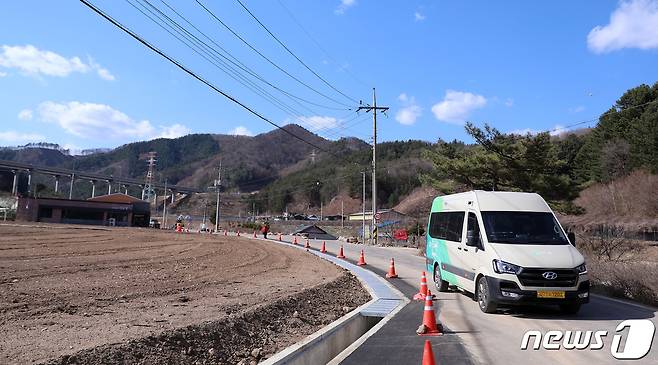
(483, 296)
(441, 284)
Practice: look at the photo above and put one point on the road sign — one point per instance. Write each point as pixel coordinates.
(378, 216)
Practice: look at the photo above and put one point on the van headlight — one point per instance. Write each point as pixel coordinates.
(582, 269)
(502, 267)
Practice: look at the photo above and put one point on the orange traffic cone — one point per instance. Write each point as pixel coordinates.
(429, 326)
(226, 232)
(255, 234)
(295, 241)
(362, 259)
(280, 238)
(423, 288)
(340, 253)
(428, 354)
(307, 245)
(238, 233)
(324, 247)
(391, 271)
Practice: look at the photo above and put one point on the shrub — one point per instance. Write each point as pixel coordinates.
(634, 281)
(618, 268)
(611, 245)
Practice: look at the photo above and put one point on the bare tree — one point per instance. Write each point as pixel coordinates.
(610, 245)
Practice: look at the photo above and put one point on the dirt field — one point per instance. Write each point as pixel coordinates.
(66, 289)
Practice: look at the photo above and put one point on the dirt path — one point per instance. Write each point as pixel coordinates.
(64, 288)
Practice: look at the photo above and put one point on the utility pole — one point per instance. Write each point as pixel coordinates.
(71, 187)
(218, 184)
(342, 214)
(149, 192)
(374, 108)
(363, 225)
(164, 206)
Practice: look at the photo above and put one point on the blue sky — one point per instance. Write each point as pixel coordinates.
(68, 76)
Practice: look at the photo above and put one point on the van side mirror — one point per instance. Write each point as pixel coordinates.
(473, 239)
(572, 238)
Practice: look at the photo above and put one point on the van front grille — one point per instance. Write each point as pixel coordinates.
(534, 277)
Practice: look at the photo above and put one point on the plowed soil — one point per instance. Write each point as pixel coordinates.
(127, 295)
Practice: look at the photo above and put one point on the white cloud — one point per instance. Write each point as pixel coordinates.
(556, 130)
(409, 112)
(100, 121)
(3, 74)
(73, 149)
(174, 131)
(419, 16)
(524, 131)
(343, 6)
(509, 102)
(457, 106)
(25, 114)
(33, 61)
(12, 137)
(343, 67)
(241, 131)
(102, 72)
(317, 122)
(634, 24)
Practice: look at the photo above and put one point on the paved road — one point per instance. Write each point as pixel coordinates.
(496, 339)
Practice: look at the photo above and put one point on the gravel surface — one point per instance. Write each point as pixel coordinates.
(68, 288)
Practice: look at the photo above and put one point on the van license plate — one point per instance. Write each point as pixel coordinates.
(550, 294)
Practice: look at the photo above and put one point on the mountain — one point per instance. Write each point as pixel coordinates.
(248, 163)
(35, 155)
(280, 171)
(400, 165)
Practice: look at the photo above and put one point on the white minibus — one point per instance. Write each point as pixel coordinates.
(506, 248)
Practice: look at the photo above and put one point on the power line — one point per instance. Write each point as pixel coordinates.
(244, 67)
(348, 125)
(597, 118)
(317, 44)
(231, 72)
(322, 129)
(193, 74)
(293, 54)
(235, 73)
(266, 58)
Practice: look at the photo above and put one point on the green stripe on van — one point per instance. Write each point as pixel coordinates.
(436, 250)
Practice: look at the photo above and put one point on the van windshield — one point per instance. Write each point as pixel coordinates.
(532, 228)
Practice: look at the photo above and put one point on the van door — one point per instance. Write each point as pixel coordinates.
(445, 232)
(472, 257)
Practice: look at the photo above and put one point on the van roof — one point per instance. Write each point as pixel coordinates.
(491, 201)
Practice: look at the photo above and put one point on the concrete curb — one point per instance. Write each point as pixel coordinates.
(335, 342)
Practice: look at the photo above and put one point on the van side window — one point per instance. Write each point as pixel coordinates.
(473, 229)
(447, 226)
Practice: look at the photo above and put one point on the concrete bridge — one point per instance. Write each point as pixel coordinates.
(72, 176)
